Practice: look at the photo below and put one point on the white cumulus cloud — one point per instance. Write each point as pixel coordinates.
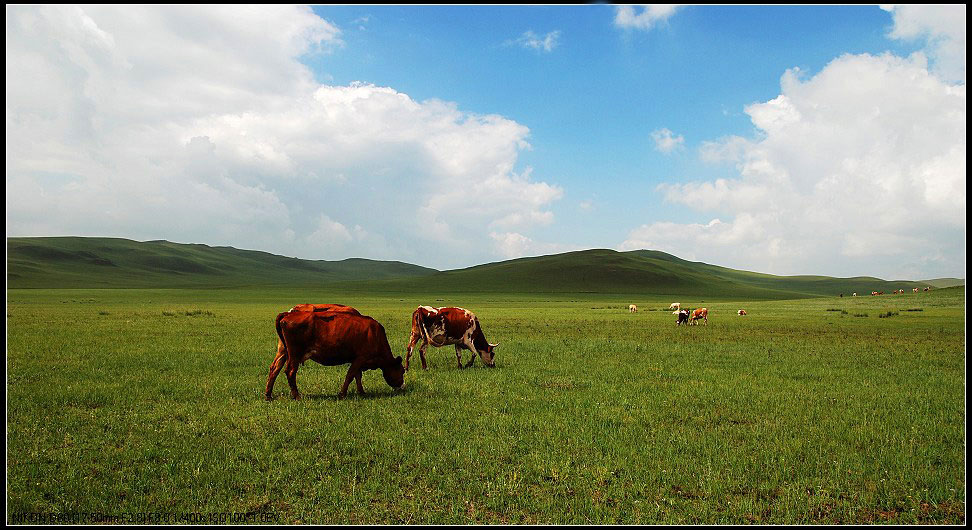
(941, 28)
(859, 169)
(200, 124)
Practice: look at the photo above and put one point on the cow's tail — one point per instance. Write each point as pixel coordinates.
(280, 331)
(419, 323)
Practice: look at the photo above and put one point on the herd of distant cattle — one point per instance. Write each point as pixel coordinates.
(335, 334)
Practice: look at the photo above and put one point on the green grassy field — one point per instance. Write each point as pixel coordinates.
(829, 410)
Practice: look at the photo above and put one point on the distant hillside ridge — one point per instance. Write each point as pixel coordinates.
(87, 262)
(635, 272)
(93, 262)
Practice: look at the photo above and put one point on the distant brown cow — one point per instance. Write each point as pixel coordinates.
(335, 338)
(702, 313)
(281, 357)
(449, 325)
(632, 308)
(742, 312)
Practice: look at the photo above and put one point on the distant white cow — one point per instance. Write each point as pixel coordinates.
(632, 308)
(676, 306)
(742, 312)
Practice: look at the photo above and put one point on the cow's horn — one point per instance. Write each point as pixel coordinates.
(493, 345)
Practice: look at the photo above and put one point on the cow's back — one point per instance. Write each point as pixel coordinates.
(334, 308)
(333, 338)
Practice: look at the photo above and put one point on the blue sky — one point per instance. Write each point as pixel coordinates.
(449, 136)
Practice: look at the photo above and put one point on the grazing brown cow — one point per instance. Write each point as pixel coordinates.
(683, 316)
(915, 290)
(335, 338)
(632, 308)
(742, 312)
(702, 313)
(281, 358)
(449, 325)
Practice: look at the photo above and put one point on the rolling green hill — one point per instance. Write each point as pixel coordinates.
(77, 262)
(635, 272)
(941, 283)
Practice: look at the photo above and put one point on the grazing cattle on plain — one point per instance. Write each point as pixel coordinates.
(675, 306)
(699, 314)
(632, 308)
(742, 312)
(334, 338)
(915, 290)
(281, 357)
(855, 294)
(683, 316)
(449, 325)
(926, 289)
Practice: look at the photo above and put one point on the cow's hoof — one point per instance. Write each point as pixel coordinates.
(295, 396)
(269, 397)
(342, 396)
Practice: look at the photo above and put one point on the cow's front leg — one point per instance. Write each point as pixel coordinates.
(275, 366)
(459, 356)
(353, 372)
(472, 347)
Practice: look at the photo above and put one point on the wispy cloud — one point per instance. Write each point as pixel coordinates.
(531, 40)
(645, 18)
(666, 141)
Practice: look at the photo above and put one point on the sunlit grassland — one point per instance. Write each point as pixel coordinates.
(152, 400)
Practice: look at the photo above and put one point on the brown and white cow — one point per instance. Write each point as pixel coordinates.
(281, 357)
(741, 312)
(441, 326)
(632, 308)
(701, 313)
(675, 306)
(915, 290)
(334, 338)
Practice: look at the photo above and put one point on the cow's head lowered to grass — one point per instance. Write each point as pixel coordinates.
(394, 373)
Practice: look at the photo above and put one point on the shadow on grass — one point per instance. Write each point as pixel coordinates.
(352, 395)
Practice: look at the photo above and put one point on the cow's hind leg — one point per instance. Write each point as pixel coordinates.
(292, 367)
(412, 340)
(275, 366)
(425, 344)
(357, 380)
(459, 356)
